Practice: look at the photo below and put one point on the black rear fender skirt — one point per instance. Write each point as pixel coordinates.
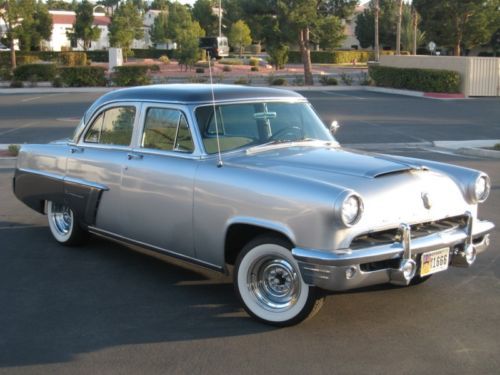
(35, 187)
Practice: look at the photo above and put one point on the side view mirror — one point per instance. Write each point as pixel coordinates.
(334, 126)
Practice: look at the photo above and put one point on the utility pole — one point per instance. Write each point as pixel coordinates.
(377, 47)
(398, 30)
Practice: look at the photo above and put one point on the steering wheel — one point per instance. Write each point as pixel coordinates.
(290, 133)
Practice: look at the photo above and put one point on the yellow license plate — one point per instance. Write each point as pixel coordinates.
(434, 261)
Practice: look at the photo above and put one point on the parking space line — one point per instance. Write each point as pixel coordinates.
(395, 131)
(27, 125)
(38, 97)
(22, 227)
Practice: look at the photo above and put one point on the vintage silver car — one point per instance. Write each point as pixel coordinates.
(250, 177)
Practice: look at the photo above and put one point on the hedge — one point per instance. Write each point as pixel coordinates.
(38, 72)
(336, 57)
(95, 56)
(73, 58)
(83, 76)
(131, 75)
(428, 80)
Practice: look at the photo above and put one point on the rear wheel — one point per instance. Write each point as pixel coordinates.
(63, 224)
(268, 282)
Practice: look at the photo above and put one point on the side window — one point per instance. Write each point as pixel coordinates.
(112, 127)
(167, 130)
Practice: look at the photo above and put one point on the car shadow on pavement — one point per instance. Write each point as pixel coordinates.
(58, 302)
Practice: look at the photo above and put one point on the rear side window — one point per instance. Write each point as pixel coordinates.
(112, 127)
(166, 130)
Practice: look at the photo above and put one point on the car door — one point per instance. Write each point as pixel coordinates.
(98, 158)
(157, 183)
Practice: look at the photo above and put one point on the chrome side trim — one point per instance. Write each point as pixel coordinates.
(119, 238)
(391, 251)
(59, 177)
(79, 181)
(53, 176)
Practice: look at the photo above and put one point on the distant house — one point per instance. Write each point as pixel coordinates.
(63, 21)
(351, 42)
(148, 22)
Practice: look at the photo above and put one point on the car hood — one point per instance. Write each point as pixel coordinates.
(304, 160)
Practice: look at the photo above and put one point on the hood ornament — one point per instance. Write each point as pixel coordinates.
(426, 199)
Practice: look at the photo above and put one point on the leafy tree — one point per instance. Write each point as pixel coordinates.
(365, 21)
(159, 5)
(188, 51)
(61, 5)
(408, 29)
(239, 35)
(12, 12)
(35, 26)
(202, 12)
(109, 4)
(300, 22)
(126, 25)
(158, 31)
(459, 24)
(84, 28)
(495, 42)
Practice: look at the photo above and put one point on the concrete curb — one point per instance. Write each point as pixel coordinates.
(455, 145)
(481, 152)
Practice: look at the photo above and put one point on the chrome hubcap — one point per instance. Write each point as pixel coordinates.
(274, 283)
(62, 217)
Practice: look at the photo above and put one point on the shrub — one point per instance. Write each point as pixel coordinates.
(14, 150)
(278, 56)
(242, 81)
(73, 58)
(131, 75)
(428, 80)
(81, 76)
(328, 81)
(154, 68)
(5, 74)
(336, 57)
(151, 53)
(253, 62)
(346, 79)
(364, 79)
(298, 81)
(42, 72)
(98, 56)
(254, 68)
(16, 84)
(231, 61)
(279, 82)
(27, 59)
(226, 68)
(200, 70)
(164, 59)
(201, 64)
(57, 82)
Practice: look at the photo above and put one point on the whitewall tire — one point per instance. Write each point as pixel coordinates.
(268, 283)
(63, 225)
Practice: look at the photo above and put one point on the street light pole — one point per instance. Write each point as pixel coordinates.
(220, 18)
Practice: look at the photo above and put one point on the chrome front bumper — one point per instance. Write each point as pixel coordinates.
(342, 269)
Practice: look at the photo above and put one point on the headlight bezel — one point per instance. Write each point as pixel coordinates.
(473, 194)
(339, 208)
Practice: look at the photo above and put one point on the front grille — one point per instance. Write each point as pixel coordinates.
(417, 230)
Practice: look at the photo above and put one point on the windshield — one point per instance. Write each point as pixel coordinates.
(253, 124)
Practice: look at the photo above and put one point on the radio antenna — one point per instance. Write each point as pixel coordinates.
(219, 162)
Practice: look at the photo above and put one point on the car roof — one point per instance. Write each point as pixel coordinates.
(192, 94)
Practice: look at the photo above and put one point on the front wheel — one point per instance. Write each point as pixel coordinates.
(268, 283)
(63, 225)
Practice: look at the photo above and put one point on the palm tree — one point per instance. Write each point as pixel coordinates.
(398, 30)
(377, 45)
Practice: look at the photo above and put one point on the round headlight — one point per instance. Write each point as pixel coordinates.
(482, 188)
(351, 210)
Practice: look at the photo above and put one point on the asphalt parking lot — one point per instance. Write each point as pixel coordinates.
(102, 308)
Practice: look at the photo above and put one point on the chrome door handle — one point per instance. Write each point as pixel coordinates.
(75, 149)
(134, 156)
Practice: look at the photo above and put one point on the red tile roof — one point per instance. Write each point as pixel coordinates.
(69, 19)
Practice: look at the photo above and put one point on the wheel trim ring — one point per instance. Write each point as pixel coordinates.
(62, 218)
(271, 295)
